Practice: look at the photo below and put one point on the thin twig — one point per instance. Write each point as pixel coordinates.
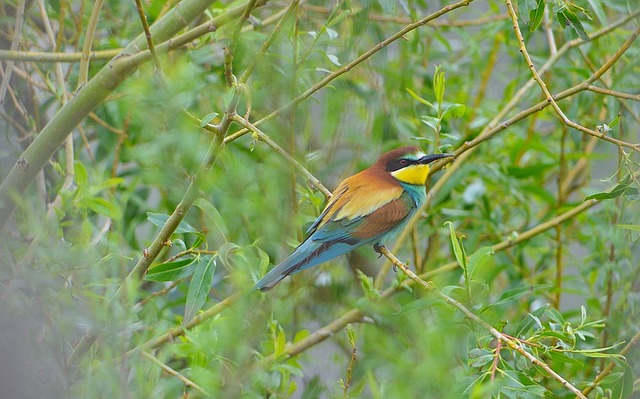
(147, 34)
(174, 373)
(596, 89)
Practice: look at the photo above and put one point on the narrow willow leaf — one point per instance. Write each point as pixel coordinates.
(199, 287)
(170, 271)
(419, 99)
(438, 84)
(616, 192)
(102, 207)
(575, 24)
(478, 357)
(81, 175)
(523, 11)
(528, 322)
(225, 251)
(457, 248)
(208, 118)
(280, 343)
(536, 15)
(229, 96)
(454, 110)
(212, 212)
(159, 219)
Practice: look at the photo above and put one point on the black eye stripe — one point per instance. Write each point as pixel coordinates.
(397, 164)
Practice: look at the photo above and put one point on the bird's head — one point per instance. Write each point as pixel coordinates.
(409, 165)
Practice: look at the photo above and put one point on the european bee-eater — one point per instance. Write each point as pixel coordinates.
(370, 207)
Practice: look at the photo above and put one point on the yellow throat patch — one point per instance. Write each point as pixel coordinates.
(414, 174)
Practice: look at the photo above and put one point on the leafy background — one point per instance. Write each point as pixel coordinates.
(145, 209)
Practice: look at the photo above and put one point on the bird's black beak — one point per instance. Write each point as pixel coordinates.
(427, 159)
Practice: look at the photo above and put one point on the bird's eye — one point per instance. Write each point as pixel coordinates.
(404, 162)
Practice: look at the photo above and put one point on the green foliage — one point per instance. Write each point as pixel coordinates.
(533, 227)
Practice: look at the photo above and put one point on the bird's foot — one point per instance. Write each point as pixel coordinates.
(378, 248)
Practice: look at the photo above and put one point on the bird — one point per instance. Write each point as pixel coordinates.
(370, 207)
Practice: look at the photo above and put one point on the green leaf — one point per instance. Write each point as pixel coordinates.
(102, 207)
(213, 214)
(523, 10)
(228, 97)
(528, 322)
(281, 342)
(170, 271)
(615, 120)
(366, 282)
(420, 99)
(431, 121)
(159, 219)
(616, 192)
(573, 21)
(455, 110)
(225, 251)
(208, 118)
(351, 335)
(333, 58)
(554, 315)
(478, 357)
(529, 170)
(478, 259)
(457, 248)
(438, 85)
(536, 15)
(199, 287)
(81, 175)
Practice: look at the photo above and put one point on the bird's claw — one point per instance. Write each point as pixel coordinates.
(378, 248)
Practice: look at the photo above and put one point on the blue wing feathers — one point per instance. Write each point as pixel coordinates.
(335, 238)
